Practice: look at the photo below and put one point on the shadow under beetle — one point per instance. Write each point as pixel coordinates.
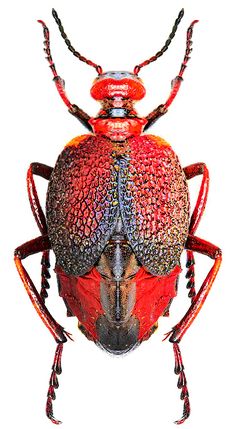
(117, 219)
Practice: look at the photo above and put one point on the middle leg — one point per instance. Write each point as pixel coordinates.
(191, 171)
(41, 244)
(45, 172)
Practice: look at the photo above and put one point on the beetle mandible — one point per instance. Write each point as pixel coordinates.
(118, 220)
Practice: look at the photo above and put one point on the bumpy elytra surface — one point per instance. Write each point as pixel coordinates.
(82, 203)
(93, 177)
(154, 203)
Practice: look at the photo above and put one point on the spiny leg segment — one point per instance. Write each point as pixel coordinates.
(42, 244)
(176, 334)
(191, 171)
(182, 383)
(45, 172)
(54, 384)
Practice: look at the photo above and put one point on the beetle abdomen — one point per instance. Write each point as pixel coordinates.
(143, 300)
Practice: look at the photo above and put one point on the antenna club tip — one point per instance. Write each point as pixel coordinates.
(194, 22)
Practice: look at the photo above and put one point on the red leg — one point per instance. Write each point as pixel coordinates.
(175, 84)
(41, 244)
(204, 247)
(182, 384)
(190, 172)
(194, 244)
(44, 171)
(37, 245)
(54, 384)
(60, 83)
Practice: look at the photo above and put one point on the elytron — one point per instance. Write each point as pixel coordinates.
(117, 219)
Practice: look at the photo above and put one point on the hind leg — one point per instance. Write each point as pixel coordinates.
(194, 244)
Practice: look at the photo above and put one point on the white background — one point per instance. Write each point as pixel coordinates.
(96, 389)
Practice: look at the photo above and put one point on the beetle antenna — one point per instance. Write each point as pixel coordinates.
(70, 47)
(165, 47)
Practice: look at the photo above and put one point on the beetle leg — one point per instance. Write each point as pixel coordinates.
(44, 171)
(175, 84)
(37, 245)
(181, 384)
(190, 172)
(42, 244)
(204, 247)
(176, 334)
(60, 83)
(54, 384)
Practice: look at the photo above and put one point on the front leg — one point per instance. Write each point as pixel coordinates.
(60, 83)
(175, 84)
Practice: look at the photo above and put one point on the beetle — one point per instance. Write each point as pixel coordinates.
(117, 219)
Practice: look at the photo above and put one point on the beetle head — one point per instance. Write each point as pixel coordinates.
(118, 85)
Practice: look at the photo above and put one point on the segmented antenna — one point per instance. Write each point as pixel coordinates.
(165, 47)
(70, 47)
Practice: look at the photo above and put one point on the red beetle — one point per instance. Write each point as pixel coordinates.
(117, 219)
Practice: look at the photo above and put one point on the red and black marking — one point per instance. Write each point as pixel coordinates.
(112, 209)
(92, 181)
(118, 221)
(82, 204)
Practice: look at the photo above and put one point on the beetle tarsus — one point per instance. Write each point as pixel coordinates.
(186, 412)
(45, 275)
(54, 384)
(182, 383)
(167, 334)
(68, 335)
(190, 275)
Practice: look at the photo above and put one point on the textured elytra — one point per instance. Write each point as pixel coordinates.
(93, 179)
(154, 202)
(82, 203)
